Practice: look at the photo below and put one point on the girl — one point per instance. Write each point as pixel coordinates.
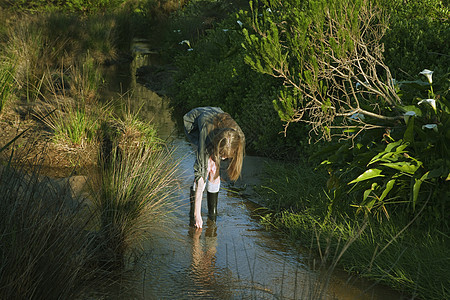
(216, 137)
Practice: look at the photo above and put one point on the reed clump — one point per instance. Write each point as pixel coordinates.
(133, 193)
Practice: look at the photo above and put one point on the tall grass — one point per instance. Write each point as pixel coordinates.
(132, 195)
(6, 83)
(24, 44)
(47, 42)
(44, 244)
(71, 107)
(85, 79)
(53, 247)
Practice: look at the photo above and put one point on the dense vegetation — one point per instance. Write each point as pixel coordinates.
(338, 88)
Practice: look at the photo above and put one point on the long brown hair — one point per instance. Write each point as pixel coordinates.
(228, 142)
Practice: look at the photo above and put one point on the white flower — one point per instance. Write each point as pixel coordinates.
(358, 116)
(240, 23)
(190, 49)
(430, 126)
(428, 74)
(408, 115)
(225, 30)
(185, 42)
(269, 10)
(432, 102)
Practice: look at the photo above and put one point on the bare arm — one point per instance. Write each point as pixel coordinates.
(198, 203)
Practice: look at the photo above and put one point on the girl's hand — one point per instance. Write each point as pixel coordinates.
(198, 221)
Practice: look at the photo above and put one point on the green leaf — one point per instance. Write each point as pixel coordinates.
(412, 108)
(389, 187)
(371, 173)
(391, 146)
(408, 136)
(403, 166)
(416, 189)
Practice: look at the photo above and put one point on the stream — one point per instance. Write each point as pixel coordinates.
(235, 258)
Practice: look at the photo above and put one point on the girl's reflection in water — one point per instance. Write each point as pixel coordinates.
(204, 256)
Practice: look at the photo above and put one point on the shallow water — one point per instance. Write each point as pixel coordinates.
(235, 257)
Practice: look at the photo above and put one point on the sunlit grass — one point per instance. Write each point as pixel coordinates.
(72, 123)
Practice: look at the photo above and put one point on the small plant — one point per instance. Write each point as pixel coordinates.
(73, 123)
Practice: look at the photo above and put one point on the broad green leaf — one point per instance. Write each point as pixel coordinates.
(370, 204)
(371, 173)
(391, 146)
(366, 194)
(408, 136)
(383, 156)
(400, 149)
(389, 187)
(416, 189)
(403, 166)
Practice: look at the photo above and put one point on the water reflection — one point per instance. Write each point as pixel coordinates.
(203, 265)
(126, 87)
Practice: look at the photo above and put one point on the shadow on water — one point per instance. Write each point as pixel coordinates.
(235, 257)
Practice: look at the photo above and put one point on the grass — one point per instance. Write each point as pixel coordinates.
(409, 255)
(43, 239)
(6, 83)
(72, 123)
(132, 195)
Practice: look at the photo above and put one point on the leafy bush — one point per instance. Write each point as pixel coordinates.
(330, 57)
